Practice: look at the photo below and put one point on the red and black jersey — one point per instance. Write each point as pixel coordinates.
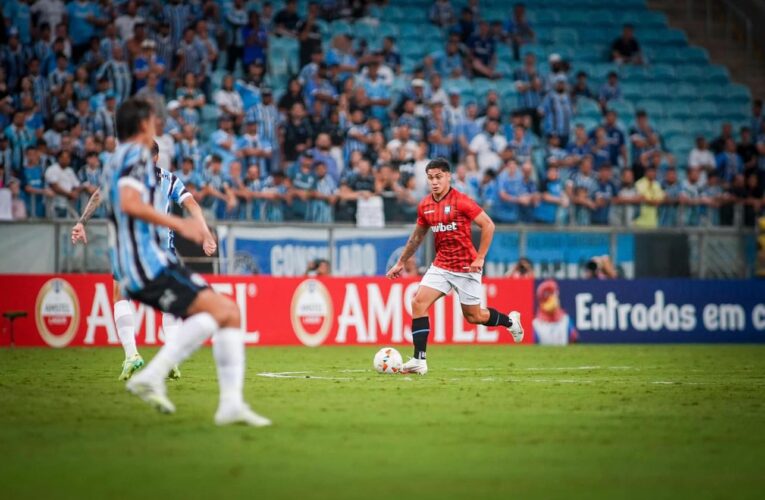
(450, 219)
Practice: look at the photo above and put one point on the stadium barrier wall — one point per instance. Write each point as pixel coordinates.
(248, 248)
(76, 310)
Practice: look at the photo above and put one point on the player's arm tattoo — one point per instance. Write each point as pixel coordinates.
(90, 208)
(414, 242)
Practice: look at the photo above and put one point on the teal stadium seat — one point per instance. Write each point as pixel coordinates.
(655, 109)
(622, 107)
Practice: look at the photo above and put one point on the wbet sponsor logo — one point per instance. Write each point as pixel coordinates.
(612, 315)
(441, 227)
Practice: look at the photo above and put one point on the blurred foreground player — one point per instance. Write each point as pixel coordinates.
(153, 276)
(170, 189)
(449, 214)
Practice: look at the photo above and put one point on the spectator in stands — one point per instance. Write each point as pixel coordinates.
(600, 148)
(148, 63)
(520, 145)
(729, 162)
(669, 209)
(719, 143)
(639, 137)
(190, 176)
(251, 149)
(519, 29)
(286, 20)
(223, 140)
(309, 34)
(581, 88)
(580, 189)
(62, 180)
(605, 192)
(255, 40)
(358, 184)
(402, 148)
(297, 133)
(702, 158)
(522, 269)
(580, 147)
(483, 53)
(90, 178)
(691, 197)
(626, 49)
(440, 135)
(627, 202)
(390, 54)
(235, 20)
(552, 197)
(302, 185)
(652, 196)
(33, 177)
(212, 192)
(19, 139)
(357, 136)
(18, 208)
(747, 150)
(556, 111)
(451, 63)
(506, 210)
(229, 101)
(442, 14)
(610, 91)
(323, 197)
(556, 156)
(529, 194)
(487, 149)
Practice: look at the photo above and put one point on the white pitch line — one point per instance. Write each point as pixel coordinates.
(565, 368)
(299, 375)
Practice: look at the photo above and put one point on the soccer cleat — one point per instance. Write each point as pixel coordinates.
(151, 394)
(516, 329)
(240, 415)
(415, 365)
(174, 374)
(130, 366)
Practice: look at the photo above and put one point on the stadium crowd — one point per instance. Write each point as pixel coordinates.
(337, 132)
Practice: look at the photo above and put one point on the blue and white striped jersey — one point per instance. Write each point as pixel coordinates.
(170, 189)
(136, 249)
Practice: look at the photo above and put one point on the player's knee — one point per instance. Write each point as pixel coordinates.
(229, 316)
(419, 307)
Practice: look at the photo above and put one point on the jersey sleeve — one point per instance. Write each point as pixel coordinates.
(137, 171)
(469, 207)
(178, 192)
(421, 216)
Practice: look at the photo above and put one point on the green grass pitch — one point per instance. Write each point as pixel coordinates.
(486, 422)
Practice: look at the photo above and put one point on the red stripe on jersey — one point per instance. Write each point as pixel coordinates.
(450, 219)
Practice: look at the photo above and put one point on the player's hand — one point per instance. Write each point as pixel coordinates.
(79, 234)
(209, 245)
(476, 266)
(192, 230)
(395, 271)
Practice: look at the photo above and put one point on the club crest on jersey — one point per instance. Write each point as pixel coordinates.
(441, 227)
(447, 209)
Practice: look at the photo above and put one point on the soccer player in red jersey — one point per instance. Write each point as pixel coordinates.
(449, 214)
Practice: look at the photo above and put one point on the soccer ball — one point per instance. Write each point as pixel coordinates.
(388, 360)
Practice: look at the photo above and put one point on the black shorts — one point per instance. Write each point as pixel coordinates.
(172, 291)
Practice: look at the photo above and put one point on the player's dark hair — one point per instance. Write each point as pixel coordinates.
(441, 164)
(154, 148)
(130, 115)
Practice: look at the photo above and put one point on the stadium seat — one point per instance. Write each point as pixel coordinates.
(690, 72)
(621, 107)
(655, 109)
(587, 107)
(717, 73)
(566, 37)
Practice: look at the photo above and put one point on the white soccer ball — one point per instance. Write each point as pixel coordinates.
(388, 360)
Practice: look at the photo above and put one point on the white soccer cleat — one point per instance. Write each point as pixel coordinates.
(516, 329)
(240, 415)
(151, 394)
(415, 365)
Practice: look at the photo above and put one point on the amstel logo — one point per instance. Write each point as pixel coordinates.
(311, 312)
(57, 312)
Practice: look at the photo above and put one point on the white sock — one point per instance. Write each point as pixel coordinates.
(228, 351)
(170, 325)
(123, 318)
(196, 329)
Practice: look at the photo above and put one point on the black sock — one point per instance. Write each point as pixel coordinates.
(420, 332)
(497, 318)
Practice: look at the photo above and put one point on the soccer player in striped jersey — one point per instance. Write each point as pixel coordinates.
(170, 190)
(449, 214)
(153, 276)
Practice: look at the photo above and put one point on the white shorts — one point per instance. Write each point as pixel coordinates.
(468, 285)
